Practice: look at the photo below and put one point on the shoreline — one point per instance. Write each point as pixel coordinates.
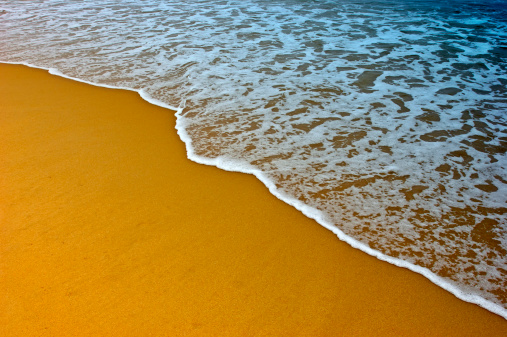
(297, 204)
(154, 187)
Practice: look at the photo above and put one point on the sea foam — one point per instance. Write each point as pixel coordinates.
(382, 120)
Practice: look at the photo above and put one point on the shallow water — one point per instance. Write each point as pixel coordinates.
(386, 119)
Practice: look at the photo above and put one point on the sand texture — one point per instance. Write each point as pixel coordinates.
(106, 229)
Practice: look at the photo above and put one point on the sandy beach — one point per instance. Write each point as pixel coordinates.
(107, 229)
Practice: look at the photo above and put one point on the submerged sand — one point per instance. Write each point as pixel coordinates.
(107, 229)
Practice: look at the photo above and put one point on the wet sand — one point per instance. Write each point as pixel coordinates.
(108, 230)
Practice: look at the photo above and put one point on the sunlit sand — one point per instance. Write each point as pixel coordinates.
(108, 230)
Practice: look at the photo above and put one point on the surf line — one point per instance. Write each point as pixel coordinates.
(310, 212)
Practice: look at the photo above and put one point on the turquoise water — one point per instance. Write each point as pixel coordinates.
(383, 120)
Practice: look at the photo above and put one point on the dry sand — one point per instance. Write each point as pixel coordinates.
(108, 230)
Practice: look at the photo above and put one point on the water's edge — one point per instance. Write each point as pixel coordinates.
(310, 212)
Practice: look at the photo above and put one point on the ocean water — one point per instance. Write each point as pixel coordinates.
(384, 120)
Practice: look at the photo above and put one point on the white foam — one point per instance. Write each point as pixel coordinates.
(236, 91)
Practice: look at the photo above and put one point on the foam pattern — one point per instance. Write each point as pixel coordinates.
(387, 118)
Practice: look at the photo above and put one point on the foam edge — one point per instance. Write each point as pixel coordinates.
(310, 212)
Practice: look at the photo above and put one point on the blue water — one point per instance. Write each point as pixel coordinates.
(383, 120)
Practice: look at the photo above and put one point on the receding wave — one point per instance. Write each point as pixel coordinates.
(386, 120)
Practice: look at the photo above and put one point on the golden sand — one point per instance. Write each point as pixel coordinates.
(106, 229)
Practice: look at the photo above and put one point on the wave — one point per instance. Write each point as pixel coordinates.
(384, 124)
